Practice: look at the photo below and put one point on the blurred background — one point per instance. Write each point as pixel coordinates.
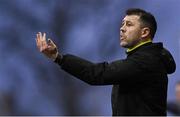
(31, 84)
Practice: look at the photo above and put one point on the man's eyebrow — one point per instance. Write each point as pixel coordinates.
(126, 21)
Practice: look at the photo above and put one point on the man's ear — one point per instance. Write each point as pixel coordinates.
(145, 32)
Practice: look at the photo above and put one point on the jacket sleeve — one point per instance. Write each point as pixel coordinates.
(100, 73)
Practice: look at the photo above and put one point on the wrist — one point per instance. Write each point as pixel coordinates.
(54, 57)
(59, 59)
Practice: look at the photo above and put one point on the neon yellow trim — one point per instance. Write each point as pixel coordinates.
(138, 45)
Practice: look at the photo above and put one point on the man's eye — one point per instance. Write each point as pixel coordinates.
(129, 24)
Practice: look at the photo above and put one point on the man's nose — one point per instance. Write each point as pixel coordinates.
(122, 29)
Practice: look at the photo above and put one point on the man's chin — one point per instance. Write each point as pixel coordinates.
(124, 45)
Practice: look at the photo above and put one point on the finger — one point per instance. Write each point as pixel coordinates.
(37, 40)
(44, 40)
(40, 36)
(44, 37)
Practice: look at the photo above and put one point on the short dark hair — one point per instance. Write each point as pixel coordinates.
(147, 19)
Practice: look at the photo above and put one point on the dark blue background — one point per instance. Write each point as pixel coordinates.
(30, 84)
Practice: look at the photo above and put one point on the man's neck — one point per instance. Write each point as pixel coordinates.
(138, 45)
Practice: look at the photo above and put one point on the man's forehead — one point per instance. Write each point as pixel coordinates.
(131, 18)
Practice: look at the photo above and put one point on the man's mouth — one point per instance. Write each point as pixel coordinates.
(122, 37)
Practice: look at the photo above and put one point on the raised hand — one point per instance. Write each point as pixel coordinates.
(48, 48)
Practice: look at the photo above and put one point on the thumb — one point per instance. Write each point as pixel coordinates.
(51, 42)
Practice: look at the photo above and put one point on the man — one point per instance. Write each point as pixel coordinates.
(139, 81)
(174, 106)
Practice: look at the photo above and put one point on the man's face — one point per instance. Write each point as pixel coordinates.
(130, 31)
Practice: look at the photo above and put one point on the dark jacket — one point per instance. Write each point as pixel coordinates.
(139, 82)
